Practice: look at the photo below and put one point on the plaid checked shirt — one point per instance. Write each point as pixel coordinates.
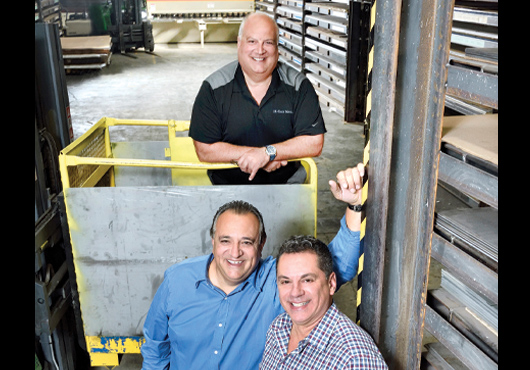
(335, 343)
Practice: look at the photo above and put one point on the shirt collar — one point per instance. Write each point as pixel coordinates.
(203, 278)
(319, 337)
(241, 85)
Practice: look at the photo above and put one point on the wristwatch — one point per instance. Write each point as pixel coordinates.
(271, 151)
(356, 207)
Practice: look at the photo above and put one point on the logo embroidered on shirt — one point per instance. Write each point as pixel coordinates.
(282, 111)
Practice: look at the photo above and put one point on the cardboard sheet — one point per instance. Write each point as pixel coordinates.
(84, 44)
(477, 135)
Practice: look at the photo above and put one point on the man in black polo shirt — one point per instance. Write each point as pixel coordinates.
(257, 113)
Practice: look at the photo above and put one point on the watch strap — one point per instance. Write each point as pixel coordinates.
(355, 207)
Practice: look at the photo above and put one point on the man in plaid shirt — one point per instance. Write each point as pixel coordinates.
(313, 333)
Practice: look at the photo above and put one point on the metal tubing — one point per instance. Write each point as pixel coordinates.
(405, 135)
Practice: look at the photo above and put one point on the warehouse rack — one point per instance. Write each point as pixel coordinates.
(415, 157)
(48, 11)
(462, 313)
(328, 41)
(472, 81)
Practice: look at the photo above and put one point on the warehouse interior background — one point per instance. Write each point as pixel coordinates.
(145, 60)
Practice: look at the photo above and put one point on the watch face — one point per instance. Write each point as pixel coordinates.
(270, 150)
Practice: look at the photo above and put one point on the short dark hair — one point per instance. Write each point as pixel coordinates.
(308, 243)
(240, 207)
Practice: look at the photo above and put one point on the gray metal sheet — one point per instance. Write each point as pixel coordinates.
(473, 229)
(141, 176)
(124, 238)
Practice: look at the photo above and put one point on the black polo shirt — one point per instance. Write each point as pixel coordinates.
(224, 110)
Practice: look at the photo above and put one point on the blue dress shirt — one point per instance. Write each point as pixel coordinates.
(192, 324)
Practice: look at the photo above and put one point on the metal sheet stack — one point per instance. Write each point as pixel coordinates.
(327, 43)
(86, 52)
(475, 230)
(473, 61)
(476, 303)
(462, 313)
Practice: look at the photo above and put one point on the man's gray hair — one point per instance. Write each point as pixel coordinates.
(240, 33)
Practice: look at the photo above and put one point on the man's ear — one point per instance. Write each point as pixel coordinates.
(332, 281)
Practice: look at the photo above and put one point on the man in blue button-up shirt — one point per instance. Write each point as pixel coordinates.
(213, 312)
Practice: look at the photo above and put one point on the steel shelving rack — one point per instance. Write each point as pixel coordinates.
(328, 41)
(462, 313)
(48, 11)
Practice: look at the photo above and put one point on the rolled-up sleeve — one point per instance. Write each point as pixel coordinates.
(156, 350)
(345, 249)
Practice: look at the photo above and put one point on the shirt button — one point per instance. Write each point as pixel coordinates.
(215, 352)
(220, 325)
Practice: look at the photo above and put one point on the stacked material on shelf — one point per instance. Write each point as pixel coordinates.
(326, 51)
(482, 307)
(475, 136)
(475, 230)
(87, 52)
(473, 59)
(475, 27)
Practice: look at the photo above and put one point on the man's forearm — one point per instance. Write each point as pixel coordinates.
(300, 147)
(297, 147)
(353, 220)
(219, 152)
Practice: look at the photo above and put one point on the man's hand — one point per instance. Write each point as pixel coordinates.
(274, 165)
(349, 185)
(252, 160)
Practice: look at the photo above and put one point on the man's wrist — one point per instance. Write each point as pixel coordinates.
(355, 207)
(271, 152)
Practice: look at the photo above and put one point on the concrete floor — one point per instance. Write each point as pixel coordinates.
(162, 85)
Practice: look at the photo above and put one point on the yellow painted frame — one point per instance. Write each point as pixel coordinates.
(104, 350)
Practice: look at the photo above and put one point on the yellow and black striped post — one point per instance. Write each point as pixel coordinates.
(366, 157)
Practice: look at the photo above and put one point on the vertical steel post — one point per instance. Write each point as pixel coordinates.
(412, 41)
(380, 113)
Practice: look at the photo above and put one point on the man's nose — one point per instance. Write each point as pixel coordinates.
(297, 289)
(235, 251)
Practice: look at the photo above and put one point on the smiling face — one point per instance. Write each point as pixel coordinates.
(257, 47)
(236, 249)
(305, 293)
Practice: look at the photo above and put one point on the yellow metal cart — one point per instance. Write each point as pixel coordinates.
(135, 208)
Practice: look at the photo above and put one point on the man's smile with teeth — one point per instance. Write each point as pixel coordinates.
(232, 262)
(299, 304)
